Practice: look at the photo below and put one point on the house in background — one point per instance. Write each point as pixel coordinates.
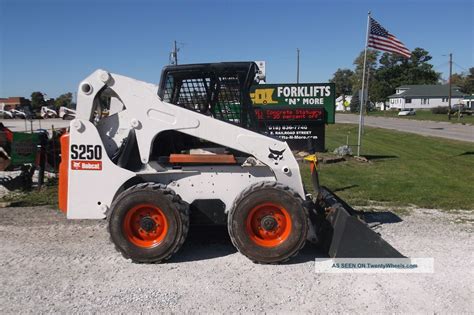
(424, 96)
(14, 102)
(468, 101)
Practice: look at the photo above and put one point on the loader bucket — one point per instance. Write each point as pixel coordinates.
(345, 234)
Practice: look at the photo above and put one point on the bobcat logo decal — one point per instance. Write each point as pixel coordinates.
(276, 155)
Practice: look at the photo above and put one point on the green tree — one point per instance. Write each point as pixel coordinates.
(418, 70)
(465, 81)
(469, 85)
(355, 102)
(385, 78)
(63, 100)
(371, 66)
(37, 100)
(395, 70)
(458, 79)
(342, 78)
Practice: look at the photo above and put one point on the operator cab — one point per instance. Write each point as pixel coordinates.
(220, 90)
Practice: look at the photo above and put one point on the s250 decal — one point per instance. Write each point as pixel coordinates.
(86, 157)
(86, 152)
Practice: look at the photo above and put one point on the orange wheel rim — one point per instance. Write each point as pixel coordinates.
(145, 225)
(268, 224)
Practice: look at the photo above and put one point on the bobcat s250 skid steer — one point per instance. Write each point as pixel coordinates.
(187, 151)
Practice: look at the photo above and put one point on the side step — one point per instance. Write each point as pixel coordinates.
(344, 233)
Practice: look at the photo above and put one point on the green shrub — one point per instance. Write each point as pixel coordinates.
(440, 110)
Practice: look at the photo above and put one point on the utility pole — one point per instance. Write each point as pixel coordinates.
(174, 54)
(297, 65)
(449, 92)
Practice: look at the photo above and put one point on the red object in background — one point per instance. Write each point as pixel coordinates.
(291, 114)
(7, 133)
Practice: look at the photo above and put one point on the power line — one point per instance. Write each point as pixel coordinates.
(442, 65)
(446, 63)
(459, 66)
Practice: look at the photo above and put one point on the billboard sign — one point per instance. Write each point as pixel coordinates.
(310, 95)
(295, 113)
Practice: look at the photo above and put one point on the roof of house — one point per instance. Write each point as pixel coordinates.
(428, 91)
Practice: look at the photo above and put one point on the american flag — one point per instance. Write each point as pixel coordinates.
(380, 38)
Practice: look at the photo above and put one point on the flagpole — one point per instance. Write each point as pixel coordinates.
(362, 98)
(364, 105)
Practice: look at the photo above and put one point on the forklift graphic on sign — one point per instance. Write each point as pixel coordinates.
(263, 97)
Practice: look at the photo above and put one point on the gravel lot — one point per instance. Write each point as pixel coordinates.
(50, 264)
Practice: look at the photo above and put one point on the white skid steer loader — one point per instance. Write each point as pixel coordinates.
(66, 113)
(164, 158)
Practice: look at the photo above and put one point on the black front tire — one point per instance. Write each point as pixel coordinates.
(241, 228)
(172, 208)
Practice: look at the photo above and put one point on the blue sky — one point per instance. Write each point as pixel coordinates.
(51, 45)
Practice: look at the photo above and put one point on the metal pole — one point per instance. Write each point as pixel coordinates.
(54, 148)
(297, 65)
(175, 54)
(42, 164)
(364, 105)
(367, 98)
(361, 101)
(449, 84)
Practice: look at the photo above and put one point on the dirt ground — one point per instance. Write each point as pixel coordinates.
(50, 264)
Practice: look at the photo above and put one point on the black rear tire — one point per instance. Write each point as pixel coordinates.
(268, 223)
(128, 231)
